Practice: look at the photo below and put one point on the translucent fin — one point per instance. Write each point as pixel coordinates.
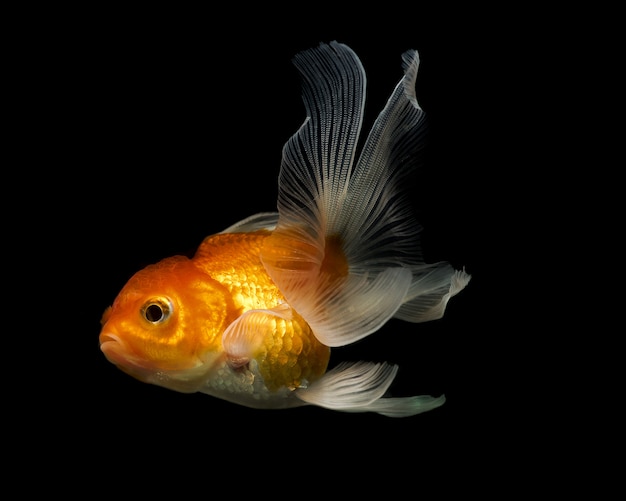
(318, 158)
(260, 221)
(402, 406)
(322, 192)
(247, 333)
(359, 387)
(326, 195)
(431, 288)
(343, 311)
(377, 218)
(346, 312)
(350, 385)
(316, 201)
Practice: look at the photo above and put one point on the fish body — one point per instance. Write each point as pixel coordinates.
(251, 318)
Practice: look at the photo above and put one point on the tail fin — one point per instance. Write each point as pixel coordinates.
(345, 251)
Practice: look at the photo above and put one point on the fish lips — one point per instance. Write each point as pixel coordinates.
(117, 352)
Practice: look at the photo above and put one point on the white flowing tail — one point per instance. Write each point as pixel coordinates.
(326, 195)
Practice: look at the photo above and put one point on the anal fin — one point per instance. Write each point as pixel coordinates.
(360, 386)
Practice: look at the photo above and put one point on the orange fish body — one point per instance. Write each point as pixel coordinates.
(186, 305)
(252, 317)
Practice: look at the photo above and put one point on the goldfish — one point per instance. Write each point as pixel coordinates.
(252, 316)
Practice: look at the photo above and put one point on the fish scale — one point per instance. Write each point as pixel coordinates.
(233, 259)
(290, 354)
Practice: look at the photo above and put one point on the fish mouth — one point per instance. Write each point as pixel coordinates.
(117, 352)
(121, 355)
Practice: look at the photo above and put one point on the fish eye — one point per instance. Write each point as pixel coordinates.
(157, 310)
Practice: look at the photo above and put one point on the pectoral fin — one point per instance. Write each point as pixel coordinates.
(245, 337)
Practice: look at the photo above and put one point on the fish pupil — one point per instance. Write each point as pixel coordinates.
(154, 313)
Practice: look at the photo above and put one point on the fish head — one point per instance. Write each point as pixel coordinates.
(165, 325)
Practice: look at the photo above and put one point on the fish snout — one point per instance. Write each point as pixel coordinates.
(106, 337)
(113, 347)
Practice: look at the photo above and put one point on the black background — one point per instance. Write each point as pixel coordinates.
(170, 129)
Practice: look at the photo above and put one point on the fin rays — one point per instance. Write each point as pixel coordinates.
(323, 193)
(360, 386)
(350, 385)
(432, 287)
(356, 307)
